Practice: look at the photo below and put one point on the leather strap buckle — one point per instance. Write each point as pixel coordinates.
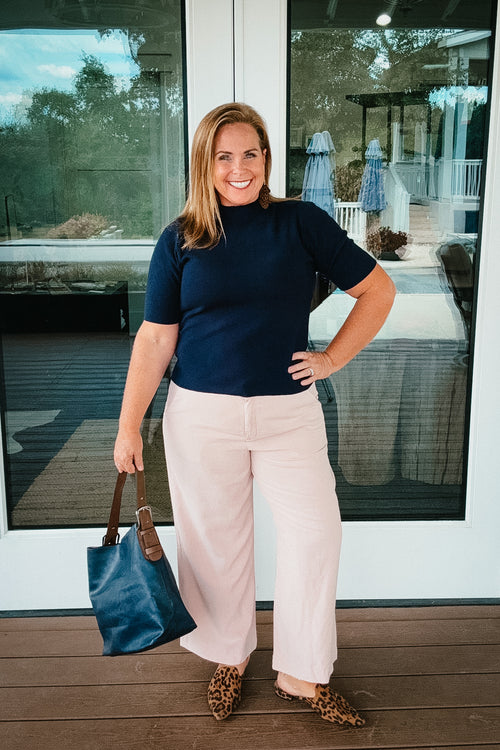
(139, 510)
(147, 534)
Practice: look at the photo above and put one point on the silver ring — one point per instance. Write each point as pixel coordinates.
(311, 371)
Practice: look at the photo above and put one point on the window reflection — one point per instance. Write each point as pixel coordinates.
(93, 155)
(405, 108)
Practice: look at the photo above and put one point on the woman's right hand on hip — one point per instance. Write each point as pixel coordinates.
(128, 452)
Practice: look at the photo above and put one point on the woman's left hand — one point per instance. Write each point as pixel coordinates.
(310, 366)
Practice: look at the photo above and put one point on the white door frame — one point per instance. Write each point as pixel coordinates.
(46, 569)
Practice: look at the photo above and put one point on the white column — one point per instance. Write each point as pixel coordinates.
(210, 58)
(260, 30)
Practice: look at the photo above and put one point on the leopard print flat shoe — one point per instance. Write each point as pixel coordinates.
(328, 704)
(224, 692)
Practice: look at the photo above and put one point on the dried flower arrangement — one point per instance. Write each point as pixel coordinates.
(384, 242)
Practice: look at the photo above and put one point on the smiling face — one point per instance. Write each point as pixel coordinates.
(239, 164)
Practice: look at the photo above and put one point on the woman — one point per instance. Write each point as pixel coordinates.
(229, 292)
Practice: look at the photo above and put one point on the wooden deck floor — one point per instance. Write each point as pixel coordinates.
(423, 677)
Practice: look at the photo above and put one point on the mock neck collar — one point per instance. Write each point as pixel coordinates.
(247, 211)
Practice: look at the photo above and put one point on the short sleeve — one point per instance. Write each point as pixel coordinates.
(162, 304)
(336, 256)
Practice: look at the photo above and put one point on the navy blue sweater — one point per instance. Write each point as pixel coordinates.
(243, 306)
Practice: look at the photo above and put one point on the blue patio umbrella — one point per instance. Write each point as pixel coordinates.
(318, 177)
(372, 194)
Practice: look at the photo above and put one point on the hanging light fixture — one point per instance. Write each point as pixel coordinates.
(403, 6)
(385, 18)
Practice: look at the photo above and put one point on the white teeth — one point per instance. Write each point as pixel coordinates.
(240, 184)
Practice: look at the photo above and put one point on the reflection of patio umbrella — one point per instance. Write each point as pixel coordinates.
(372, 195)
(318, 177)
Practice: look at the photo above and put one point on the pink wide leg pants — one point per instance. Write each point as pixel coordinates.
(215, 446)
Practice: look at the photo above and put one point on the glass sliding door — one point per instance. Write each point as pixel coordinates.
(399, 113)
(61, 388)
(92, 146)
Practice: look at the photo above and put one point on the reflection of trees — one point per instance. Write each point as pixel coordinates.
(324, 68)
(327, 66)
(92, 150)
(401, 55)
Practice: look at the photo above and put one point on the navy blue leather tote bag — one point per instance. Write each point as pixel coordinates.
(133, 591)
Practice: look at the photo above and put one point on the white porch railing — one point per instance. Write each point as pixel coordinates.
(397, 213)
(412, 175)
(352, 218)
(466, 178)
(464, 174)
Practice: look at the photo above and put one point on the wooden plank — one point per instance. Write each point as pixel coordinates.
(354, 614)
(136, 669)
(74, 622)
(445, 612)
(419, 632)
(23, 624)
(51, 643)
(350, 635)
(152, 667)
(418, 660)
(305, 731)
(190, 699)
(409, 633)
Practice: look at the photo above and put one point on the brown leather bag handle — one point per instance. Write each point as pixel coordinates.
(146, 532)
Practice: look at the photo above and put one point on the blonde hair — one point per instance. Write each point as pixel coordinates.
(200, 220)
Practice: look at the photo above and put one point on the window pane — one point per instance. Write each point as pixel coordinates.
(405, 107)
(93, 152)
